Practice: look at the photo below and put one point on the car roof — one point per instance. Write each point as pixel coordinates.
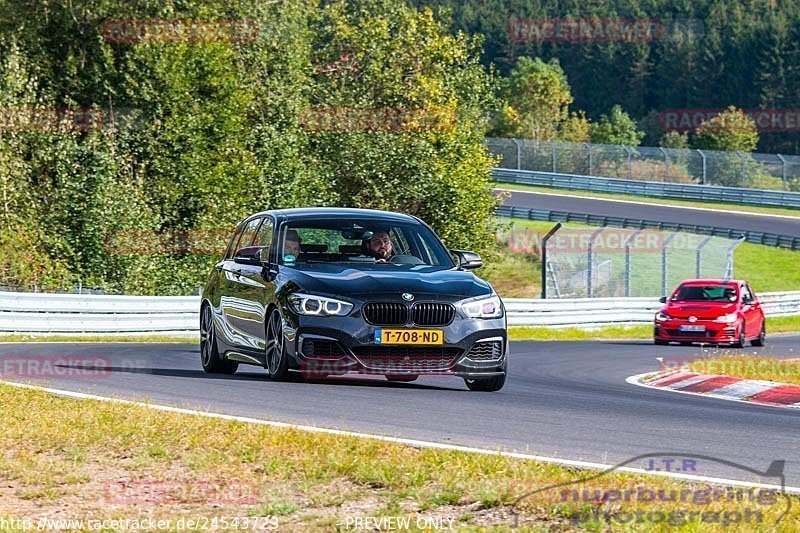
(712, 281)
(300, 213)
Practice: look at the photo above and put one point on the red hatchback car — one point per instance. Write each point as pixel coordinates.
(711, 311)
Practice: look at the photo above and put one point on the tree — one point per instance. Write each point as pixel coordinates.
(616, 128)
(674, 139)
(731, 130)
(537, 97)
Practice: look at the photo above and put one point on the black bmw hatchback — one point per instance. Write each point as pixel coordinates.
(329, 291)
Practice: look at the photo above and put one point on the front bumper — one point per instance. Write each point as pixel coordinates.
(715, 332)
(321, 346)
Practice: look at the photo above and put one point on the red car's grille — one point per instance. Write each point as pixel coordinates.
(407, 359)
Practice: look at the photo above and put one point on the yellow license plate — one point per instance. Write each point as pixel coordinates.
(409, 336)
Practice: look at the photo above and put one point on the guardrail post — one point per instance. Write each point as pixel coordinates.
(703, 156)
(666, 163)
(664, 252)
(783, 171)
(699, 253)
(630, 161)
(589, 269)
(744, 167)
(519, 153)
(628, 262)
(589, 151)
(544, 257)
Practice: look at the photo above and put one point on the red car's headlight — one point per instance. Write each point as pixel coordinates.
(662, 317)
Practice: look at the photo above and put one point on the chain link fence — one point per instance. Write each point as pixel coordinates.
(668, 165)
(613, 262)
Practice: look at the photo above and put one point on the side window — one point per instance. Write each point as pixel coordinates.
(264, 236)
(750, 291)
(248, 234)
(746, 293)
(399, 241)
(232, 245)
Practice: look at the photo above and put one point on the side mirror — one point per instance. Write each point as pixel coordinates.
(663, 299)
(249, 256)
(468, 260)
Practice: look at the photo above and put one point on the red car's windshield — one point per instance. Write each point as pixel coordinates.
(706, 293)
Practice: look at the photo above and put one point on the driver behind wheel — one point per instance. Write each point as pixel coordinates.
(378, 246)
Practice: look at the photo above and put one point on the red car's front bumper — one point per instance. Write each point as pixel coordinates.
(714, 332)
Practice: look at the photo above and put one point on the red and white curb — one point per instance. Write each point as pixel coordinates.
(722, 387)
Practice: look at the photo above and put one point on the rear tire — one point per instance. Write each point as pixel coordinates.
(659, 342)
(761, 340)
(275, 350)
(209, 351)
(486, 385)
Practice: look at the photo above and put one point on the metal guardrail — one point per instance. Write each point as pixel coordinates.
(99, 314)
(651, 163)
(598, 312)
(39, 313)
(681, 191)
(546, 215)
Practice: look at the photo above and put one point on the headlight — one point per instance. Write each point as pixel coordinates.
(728, 319)
(662, 317)
(488, 307)
(308, 304)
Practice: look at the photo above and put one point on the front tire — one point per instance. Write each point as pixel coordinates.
(277, 361)
(209, 351)
(486, 385)
(742, 340)
(660, 342)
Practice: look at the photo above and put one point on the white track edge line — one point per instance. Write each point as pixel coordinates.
(401, 440)
(711, 209)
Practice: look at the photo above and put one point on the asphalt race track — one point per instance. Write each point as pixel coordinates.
(563, 399)
(664, 213)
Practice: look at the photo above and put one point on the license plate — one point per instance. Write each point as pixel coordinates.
(409, 336)
(692, 328)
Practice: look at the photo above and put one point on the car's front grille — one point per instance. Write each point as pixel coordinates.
(322, 348)
(432, 314)
(407, 359)
(679, 333)
(487, 350)
(397, 314)
(386, 314)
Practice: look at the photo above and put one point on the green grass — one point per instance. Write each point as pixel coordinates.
(527, 333)
(518, 275)
(652, 200)
(305, 481)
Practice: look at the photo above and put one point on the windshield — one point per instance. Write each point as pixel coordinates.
(361, 242)
(706, 293)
